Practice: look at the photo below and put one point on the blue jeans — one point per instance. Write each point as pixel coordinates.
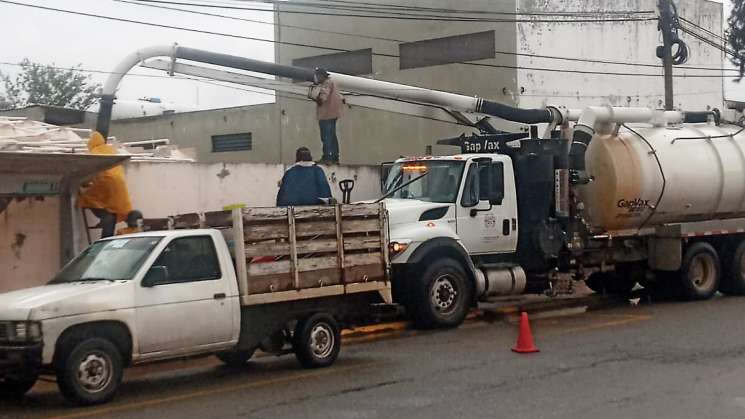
(329, 140)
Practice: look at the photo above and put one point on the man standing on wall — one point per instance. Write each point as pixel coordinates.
(329, 105)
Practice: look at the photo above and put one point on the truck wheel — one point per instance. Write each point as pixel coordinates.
(14, 388)
(90, 371)
(235, 359)
(443, 295)
(700, 272)
(317, 341)
(733, 278)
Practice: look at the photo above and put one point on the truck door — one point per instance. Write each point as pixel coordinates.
(487, 209)
(181, 303)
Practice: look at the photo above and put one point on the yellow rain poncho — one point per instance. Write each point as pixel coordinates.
(108, 189)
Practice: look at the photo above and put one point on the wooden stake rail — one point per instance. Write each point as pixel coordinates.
(301, 252)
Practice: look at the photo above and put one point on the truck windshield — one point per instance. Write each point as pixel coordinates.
(112, 260)
(440, 185)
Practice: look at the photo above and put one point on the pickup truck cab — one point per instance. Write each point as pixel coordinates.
(158, 295)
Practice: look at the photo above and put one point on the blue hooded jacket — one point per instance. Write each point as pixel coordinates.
(303, 184)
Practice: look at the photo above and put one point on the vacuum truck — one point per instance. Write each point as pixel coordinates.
(610, 195)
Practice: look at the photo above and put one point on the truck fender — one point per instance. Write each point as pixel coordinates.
(448, 247)
(115, 331)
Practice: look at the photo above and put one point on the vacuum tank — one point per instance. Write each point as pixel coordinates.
(658, 175)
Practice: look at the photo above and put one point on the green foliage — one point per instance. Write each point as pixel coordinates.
(39, 84)
(736, 34)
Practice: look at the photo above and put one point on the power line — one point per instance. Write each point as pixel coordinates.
(402, 41)
(604, 73)
(256, 21)
(417, 17)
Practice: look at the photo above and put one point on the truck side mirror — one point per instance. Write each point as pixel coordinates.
(155, 275)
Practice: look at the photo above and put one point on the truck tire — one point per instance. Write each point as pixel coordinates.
(15, 388)
(442, 295)
(733, 275)
(90, 371)
(235, 359)
(317, 341)
(700, 272)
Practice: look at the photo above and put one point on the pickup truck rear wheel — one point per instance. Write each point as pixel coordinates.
(15, 388)
(442, 296)
(235, 359)
(90, 371)
(317, 341)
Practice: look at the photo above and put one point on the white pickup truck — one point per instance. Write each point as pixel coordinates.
(177, 293)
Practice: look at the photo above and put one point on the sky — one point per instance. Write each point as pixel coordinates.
(67, 40)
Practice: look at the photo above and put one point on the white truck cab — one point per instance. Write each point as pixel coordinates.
(444, 214)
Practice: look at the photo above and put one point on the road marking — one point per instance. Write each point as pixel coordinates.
(624, 319)
(227, 389)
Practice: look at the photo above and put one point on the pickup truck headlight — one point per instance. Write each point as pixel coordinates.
(20, 332)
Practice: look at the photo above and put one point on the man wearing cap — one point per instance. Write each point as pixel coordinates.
(329, 105)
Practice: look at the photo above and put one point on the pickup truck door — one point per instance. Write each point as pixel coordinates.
(181, 304)
(484, 227)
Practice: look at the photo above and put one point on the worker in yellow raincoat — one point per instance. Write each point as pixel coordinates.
(107, 195)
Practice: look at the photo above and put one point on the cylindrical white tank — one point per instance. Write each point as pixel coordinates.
(681, 175)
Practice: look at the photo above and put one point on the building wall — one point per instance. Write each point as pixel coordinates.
(368, 136)
(193, 130)
(29, 230)
(29, 243)
(630, 42)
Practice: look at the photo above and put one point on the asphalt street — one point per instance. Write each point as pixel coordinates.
(665, 360)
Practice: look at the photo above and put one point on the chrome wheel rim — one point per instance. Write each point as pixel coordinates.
(94, 372)
(444, 294)
(321, 340)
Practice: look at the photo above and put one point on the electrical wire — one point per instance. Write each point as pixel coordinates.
(662, 173)
(486, 65)
(138, 3)
(417, 17)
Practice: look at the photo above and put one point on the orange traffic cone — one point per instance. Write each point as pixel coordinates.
(524, 343)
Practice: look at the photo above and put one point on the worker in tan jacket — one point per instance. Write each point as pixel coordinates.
(329, 106)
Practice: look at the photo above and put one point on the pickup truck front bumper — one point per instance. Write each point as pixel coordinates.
(20, 362)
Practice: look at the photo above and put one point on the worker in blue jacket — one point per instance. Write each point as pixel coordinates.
(304, 183)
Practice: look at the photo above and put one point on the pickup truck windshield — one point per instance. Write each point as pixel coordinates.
(112, 260)
(440, 185)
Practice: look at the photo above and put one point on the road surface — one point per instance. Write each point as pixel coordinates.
(677, 360)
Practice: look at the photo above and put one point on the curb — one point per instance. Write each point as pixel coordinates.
(490, 312)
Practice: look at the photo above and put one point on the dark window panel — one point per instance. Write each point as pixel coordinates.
(353, 62)
(451, 49)
(232, 142)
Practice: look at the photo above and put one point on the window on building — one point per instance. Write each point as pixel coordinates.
(232, 142)
(450, 49)
(352, 62)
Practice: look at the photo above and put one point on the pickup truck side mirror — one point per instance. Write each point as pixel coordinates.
(154, 276)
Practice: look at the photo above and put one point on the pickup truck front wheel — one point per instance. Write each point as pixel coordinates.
(317, 341)
(14, 388)
(90, 371)
(443, 295)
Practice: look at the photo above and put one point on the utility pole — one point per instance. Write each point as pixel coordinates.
(666, 26)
